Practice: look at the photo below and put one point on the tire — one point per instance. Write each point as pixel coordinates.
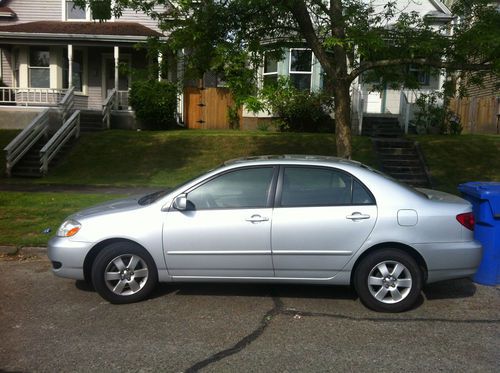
(388, 280)
(124, 272)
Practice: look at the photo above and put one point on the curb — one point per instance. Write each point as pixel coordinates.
(26, 250)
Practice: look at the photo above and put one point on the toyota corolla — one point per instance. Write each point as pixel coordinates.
(288, 219)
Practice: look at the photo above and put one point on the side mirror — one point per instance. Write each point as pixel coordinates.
(180, 202)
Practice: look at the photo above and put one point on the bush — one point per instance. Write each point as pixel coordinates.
(154, 103)
(432, 117)
(298, 111)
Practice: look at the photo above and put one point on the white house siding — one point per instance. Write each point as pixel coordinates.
(31, 11)
(130, 15)
(6, 68)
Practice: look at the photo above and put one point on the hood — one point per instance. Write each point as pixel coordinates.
(111, 207)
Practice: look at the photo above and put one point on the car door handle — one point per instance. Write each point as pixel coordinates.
(357, 216)
(257, 219)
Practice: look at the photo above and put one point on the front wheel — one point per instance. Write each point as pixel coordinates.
(124, 272)
(388, 280)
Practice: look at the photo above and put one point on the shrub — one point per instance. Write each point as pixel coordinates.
(298, 111)
(432, 117)
(154, 103)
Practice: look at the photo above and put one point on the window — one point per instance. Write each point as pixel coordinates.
(270, 70)
(77, 70)
(421, 76)
(301, 68)
(75, 12)
(304, 186)
(39, 68)
(245, 188)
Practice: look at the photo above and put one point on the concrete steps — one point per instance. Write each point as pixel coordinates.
(401, 159)
(91, 121)
(381, 126)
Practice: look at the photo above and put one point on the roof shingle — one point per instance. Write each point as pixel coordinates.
(81, 28)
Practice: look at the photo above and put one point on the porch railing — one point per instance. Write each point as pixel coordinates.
(404, 111)
(69, 129)
(26, 139)
(31, 96)
(67, 103)
(108, 105)
(122, 100)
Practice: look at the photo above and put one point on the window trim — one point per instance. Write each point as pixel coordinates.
(88, 13)
(279, 187)
(310, 72)
(271, 192)
(30, 68)
(273, 73)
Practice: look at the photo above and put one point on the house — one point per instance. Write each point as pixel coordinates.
(60, 69)
(48, 46)
(305, 72)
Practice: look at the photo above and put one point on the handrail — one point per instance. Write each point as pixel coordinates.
(106, 107)
(67, 103)
(62, 136)
(23, 142)
(404, 111)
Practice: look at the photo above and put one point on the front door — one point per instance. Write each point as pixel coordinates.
(226, 230)
(322, 217)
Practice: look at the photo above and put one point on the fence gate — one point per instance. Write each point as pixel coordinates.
(207, 108)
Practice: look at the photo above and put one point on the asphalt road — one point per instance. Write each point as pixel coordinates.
(57, 325)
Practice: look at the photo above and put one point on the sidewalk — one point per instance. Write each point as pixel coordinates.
(66, 188)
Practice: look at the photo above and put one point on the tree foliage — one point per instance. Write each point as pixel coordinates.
(348, 37)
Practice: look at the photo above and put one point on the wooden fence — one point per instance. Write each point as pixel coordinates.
(207, 108)
(478, 114)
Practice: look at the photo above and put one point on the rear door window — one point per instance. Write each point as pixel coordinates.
(318, 186)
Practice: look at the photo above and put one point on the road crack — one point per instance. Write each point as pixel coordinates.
(244, 342)
(279, 309)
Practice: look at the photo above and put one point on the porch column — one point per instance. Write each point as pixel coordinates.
(117, 61)
(70, 66)
(160, 59)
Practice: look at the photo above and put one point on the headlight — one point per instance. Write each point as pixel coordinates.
(69, 228)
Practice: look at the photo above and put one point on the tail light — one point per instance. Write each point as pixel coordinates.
(467, 220)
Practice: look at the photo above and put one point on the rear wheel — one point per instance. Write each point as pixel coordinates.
(124, 272)
(388, 280)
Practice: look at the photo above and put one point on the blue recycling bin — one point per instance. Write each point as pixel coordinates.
(485, 199)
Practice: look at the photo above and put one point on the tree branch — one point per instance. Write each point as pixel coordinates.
(368, 65)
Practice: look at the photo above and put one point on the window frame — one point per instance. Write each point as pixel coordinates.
(30, 68)
(279, 187)
(310, 72)
(88, 16)
(271, 192)
(272, 73)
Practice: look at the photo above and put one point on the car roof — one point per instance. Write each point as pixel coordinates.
(299, 158)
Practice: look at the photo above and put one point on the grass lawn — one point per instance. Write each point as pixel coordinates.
(167, 158)
(453, 160)
(23, 216)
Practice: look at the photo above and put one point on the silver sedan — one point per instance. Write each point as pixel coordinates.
(288, 219)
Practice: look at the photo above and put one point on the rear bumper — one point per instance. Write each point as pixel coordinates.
(449, 260)
(68, 256)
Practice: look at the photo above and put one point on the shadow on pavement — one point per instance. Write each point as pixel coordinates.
(452, 289)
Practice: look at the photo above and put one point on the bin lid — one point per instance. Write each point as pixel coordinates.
(485, 190)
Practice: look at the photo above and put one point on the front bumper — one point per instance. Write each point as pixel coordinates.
(69, 257)
(450, 260)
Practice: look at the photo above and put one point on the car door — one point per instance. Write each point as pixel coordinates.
(225, 230)
(322, 217)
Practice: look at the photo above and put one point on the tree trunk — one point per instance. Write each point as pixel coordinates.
(343, 134)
